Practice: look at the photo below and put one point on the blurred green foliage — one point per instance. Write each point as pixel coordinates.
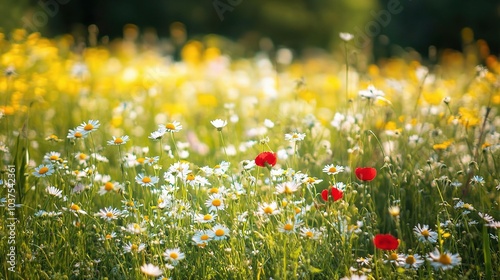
(11, 13)
(294, 23)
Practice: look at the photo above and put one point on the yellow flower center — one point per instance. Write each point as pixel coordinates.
(295, 136)
(284, 203)
(268, 210)
(393, 256)
(146, 180)
(410, 260)
(170, 126)
(74, 207)
(109, 215)
(141, 160)
(130, 204)
(217, 166)
(134, 247)
(332, 169)
(88, 127)
(214, 190)
(297, 210)
(288, 227)
(137, 226)
(53, 157)
(311, 180)
(78, 134)
(207, 217)
(204, 237)
(118, 140)
(309, 234)
(108, 186)
(190, 177)
(425, 233)
(288, 190)
(219, 232)
(216, 202)
(445, 259)
(174, 255)
(109, 236)
(43, 170)
(82, 156)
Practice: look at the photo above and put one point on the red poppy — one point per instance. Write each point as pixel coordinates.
(265, 159)
(335, 193)
(324, 195)
(385, 242)
(366, 173)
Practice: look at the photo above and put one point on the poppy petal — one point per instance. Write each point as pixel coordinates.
(336, 194)
(324, 195)
(385, 242)
(365, 173)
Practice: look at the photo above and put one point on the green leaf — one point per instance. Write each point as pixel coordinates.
(314, 270)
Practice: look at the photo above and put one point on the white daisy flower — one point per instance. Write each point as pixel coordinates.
(310, 233)
(133, 248)
(151, 270)
(371, 93)
(174, 255)
(109, 187)
(266, 209)
(346, 36)
(219, 124)
(88, 127)
(289, 226)
(424, 234)
(287, 187)
(116, 141)
(487, 218)
(202, 237)
(215, 202)
(157, 134)
(75, 209)
(412, 261)
(205, 218)
(76, 134)
(173, 126)
(51, 190)
(331, 169)
(52, 156)
(295, 136)
(221, 232)
(135, 228)
(151, 160)
(268, 123)
(444, 260)
(145, 180)
(43, 170)
(109, 213)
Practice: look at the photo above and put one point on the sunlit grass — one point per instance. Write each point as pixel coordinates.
(130, 165)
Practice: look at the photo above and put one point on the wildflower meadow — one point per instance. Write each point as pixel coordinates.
(121, 162)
